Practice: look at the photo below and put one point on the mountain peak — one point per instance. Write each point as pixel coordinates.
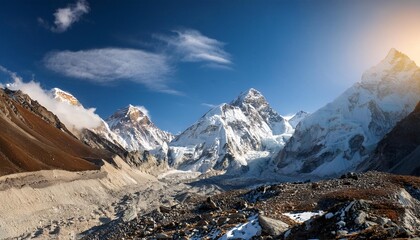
(249, 97)
(395, 55)
(64, 96)
(132, 113)
(394, 63)
(252, 92)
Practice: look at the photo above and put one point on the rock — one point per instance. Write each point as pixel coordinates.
(271, 226)
(212, 205)
(341, 224)
(329, 215)
(361, 218)
(222, 220)
(238, 216)
(129, 214)
(341, 233)
(164, 209)
(382, 220)
(202, 223)
(162, 236)
(350, 175)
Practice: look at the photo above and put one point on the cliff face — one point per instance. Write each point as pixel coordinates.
(399, 150)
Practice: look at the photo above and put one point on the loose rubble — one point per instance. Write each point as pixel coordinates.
(370, 206)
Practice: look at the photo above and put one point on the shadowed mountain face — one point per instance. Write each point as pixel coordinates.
(32, 138)
(399, 151)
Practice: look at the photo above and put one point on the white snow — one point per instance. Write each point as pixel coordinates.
(303, 216)
(246, 129)
(244, 231)
(132, 124)
(347, 129)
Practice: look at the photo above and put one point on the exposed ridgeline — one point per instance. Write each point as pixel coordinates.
(32, 138)
(339, 136)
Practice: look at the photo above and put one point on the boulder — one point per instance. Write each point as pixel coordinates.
(272, 226)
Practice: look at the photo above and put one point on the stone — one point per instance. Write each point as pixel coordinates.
(164, 209)
(162, 236)
(272, 226)
(361, 218)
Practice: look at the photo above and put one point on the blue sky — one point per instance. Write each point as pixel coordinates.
(178, 57)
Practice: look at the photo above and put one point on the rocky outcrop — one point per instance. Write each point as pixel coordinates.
(399, 151)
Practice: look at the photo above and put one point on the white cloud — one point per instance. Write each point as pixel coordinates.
(65, 17)
(108, 65)
(192, 46)
(13, 76)
(72, 116)
(208, 105)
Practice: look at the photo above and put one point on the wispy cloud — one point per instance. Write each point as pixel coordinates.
(65, 17)
(108, 65)
(208, 105)
(12, 75)
(192, 46)
(76, 117)
(152, 69)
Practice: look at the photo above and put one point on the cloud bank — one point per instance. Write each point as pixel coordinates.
(74, 117)
(112, 64)
(192, 46)
(65, 17)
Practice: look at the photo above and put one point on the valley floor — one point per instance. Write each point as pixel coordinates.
(60, 204)
(116, 203)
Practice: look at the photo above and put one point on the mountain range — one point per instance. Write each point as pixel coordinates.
(353, 132)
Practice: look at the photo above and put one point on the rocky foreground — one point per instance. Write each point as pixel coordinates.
(372, 205)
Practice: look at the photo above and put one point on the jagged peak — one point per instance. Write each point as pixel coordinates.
(250, 96)
(395, 55)
(394, 63)
(134, 113)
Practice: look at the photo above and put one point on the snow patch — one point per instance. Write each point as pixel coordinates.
(303, 216)
(246, 230)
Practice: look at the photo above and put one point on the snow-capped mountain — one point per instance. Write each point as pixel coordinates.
(102, 130)
(337, 137)
(230, 136)
(136, 130)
